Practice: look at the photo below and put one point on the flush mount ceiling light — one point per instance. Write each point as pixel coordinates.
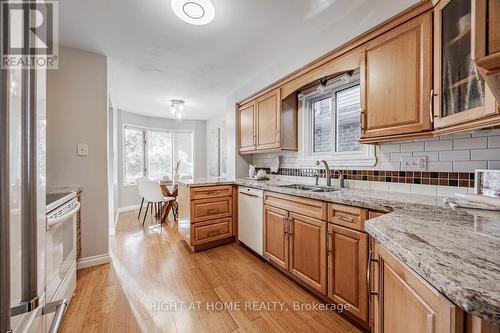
(197, 12)
(177, 108)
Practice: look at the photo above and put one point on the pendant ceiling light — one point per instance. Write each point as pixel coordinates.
(197, 12)
(177, 108)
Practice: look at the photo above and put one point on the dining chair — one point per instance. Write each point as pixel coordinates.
(155, 199)
(139, 182)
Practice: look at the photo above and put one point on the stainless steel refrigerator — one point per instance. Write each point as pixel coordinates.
(22, 201)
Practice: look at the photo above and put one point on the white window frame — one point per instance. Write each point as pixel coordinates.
(146, 130)
(306, 156)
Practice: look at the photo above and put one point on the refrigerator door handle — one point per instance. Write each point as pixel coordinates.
(59, 307)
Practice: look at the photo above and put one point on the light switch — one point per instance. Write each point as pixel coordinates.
(414, 163)
(82, 149)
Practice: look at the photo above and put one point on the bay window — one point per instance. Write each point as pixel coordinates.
(156, 153)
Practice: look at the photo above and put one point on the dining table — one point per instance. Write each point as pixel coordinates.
(169, 189)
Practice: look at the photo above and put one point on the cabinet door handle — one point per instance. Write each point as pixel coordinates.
(285, 221)
(330, 243)
(368, 273)
(290, 226)
(362, 120)
(431, 104)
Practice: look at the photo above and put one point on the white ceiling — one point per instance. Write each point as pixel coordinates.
(154, 56)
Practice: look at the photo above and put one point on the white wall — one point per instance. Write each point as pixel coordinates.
(127, 194)
(325, 40)
(77, 112)
(218, 121)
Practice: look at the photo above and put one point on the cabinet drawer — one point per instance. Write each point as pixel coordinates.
(307, 207)
(210, 209)
(347, 216)
(205, 232)
(210, 192)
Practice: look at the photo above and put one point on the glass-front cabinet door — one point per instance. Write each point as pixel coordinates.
(461, 94)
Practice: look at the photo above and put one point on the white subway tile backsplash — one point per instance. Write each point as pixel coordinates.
(400, 188)
(396, 157)
(390, 148)
(470, 143)
(463, 152)
(390, 166)
(439, 145)
(379, 186)
(431, 155)
(494, 142)
(455, 136)
(469, 166)
(423, 189)
(440, 166)
(485, 155)
(494, 165)
(486, 132)
(411, 147)
(449, 191)
(454, 155)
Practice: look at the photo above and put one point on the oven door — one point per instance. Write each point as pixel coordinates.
(61, 251)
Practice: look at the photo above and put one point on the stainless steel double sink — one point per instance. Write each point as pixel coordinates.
(310, 188)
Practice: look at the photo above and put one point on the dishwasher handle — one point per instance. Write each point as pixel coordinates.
(251, 192)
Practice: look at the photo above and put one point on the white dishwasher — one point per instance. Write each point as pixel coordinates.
(250, 218)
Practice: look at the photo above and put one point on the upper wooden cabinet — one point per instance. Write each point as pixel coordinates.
(268, 123)
(247, 127)
(406, 303)
(268, 120)
(396, 82)
(462, 99)
(486, 16)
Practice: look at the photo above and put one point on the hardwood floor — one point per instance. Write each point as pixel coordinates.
(153, 278)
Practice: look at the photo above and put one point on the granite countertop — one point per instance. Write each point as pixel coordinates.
(456, 251)
(62, 189)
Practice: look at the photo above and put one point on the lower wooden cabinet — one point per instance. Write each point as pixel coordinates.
(297, 244)
(347, 265)
(406, 303)
(308, 250)
(275, 236)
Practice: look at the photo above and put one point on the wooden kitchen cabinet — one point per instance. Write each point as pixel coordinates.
(296, 242)
(307, 250)
(206, 216)
(347, 265)
(486, 17)
(396, 82)
(247, 120)
(276, 244)
(406, 303)
(462, 100)
(268, 120)
(268, 123)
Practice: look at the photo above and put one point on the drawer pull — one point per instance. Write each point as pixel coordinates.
(213, 211)
(347, 219)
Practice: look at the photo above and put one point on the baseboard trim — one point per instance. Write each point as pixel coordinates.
(126, 209)
(93, 261)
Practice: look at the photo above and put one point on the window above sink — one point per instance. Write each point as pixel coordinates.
(330, 115)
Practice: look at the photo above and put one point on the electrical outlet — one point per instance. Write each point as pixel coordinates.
(82, 149)
(411, 163)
